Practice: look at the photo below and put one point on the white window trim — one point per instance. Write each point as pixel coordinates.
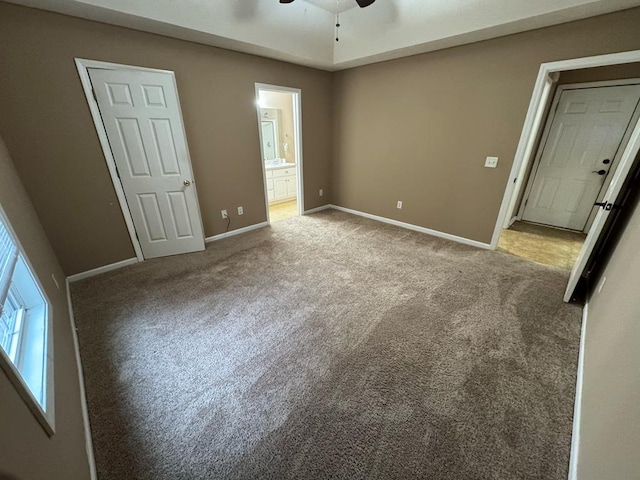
(46, 417)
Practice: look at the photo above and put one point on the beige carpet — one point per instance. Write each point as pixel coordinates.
(330, 346)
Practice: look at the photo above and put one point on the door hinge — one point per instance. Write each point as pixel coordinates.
(117, 171)
(94, 94)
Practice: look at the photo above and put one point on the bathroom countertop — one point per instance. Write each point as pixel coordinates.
(279, 165)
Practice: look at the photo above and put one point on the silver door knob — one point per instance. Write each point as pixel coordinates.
(187, 183)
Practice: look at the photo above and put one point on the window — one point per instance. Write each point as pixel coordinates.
(24, 328)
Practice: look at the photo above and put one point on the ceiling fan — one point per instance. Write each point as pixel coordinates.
(361, 3)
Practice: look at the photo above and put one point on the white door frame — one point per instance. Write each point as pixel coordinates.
(297, 132)
(547, 128)
(547, 76)
(83, 66)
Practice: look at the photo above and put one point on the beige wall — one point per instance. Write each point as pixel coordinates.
(21, 436)
(284, 103)
(610, 416)
(418, 129)
(47, 126)
(415, 129)
(614, 72)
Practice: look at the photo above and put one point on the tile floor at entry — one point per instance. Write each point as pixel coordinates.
(540, 244)
(283, 211)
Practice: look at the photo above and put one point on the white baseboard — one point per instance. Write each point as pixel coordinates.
(99, 270)
(577, 407)
(317, 209)
(131, 261)
(83, 395)
(235, 232)
(416, 228)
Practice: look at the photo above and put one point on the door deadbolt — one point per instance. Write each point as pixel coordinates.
(606, 161)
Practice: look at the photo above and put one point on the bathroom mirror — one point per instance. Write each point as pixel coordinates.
(271, 131)
(269, 142)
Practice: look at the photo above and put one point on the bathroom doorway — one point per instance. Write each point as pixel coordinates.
(280, 132)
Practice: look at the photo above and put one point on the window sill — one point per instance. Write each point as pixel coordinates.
(45, 419)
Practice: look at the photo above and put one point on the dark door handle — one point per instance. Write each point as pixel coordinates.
(600, 172)
(607, 205)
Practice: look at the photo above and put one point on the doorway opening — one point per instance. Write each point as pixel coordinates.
(280, 133)
(586, 129)
(539, 107)
(554, 247)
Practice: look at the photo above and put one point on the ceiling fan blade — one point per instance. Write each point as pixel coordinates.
(363, 3)
(286, 1)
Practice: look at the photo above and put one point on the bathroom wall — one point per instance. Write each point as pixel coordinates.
(283, 102)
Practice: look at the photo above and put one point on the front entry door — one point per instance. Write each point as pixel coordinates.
(141, 116)
(584, 137)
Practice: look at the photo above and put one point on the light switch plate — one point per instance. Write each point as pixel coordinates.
(491, 162)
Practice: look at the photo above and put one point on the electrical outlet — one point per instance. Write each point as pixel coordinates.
(491, 162)
(320, 192)
(240, 211)
(399, 206)
(225, 214)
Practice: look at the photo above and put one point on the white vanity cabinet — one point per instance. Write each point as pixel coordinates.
(281, 184)
(270, 192)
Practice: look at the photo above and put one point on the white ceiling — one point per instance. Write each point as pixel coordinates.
(303, 32)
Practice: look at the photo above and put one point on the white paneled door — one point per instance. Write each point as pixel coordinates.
(585, 134)
(142, 118)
